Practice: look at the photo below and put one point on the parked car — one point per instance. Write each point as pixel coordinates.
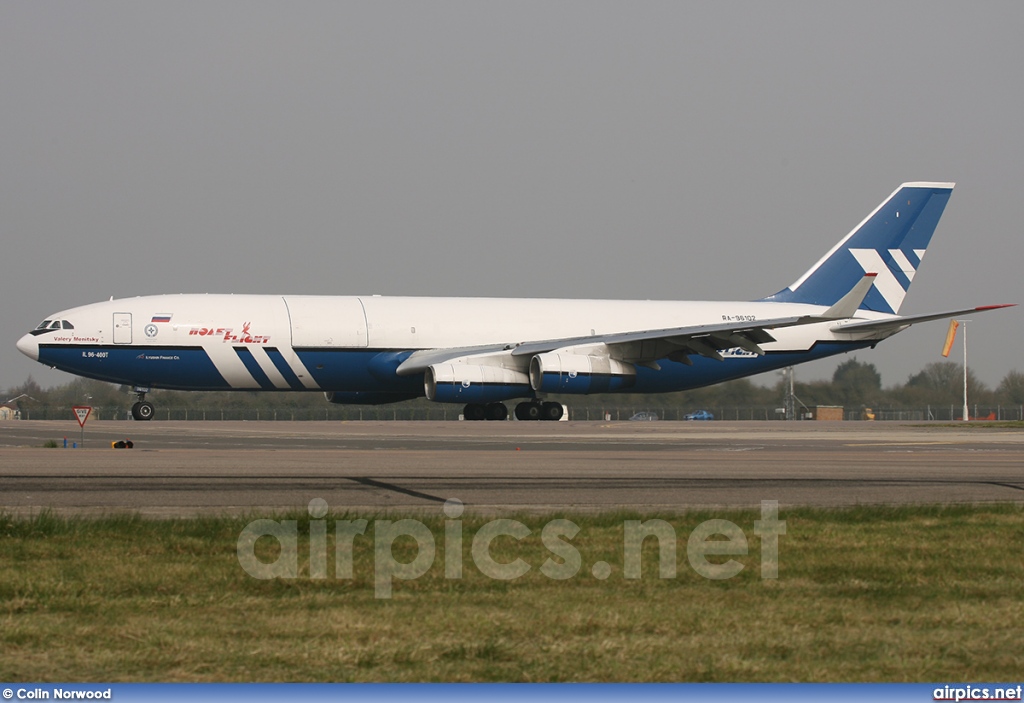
(699, 415)
(644, 416)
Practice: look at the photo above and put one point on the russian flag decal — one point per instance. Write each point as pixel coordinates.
(161, 318)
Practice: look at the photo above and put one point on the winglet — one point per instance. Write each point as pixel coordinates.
(847, 306)
(983, 308)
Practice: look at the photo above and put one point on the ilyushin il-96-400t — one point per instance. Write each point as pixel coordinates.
(481, 352)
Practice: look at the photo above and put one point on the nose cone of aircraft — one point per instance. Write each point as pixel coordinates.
(29, 346)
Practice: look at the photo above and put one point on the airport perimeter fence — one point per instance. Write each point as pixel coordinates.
(576, 412)
(947, 413)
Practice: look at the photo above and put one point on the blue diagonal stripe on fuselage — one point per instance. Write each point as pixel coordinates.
(282, 365)
(253, 367)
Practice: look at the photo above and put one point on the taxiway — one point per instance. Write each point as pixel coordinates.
(189, 468)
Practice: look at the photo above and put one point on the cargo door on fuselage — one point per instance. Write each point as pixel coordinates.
(326, 322)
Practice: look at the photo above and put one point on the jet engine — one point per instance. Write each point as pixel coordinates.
(467, 383)
(561, 372)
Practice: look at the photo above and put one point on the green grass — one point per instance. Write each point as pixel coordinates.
(867, 594)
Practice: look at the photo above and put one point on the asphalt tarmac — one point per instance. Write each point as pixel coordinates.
(181, 469)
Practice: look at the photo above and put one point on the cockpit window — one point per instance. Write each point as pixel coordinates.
(43, 325)
(55, 325)
(66, 325)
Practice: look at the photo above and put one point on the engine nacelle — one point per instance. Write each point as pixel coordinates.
(560, 372)
(467, 383)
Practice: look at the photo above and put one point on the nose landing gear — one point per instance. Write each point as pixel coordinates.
(143, 409)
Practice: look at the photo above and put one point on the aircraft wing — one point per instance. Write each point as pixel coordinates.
(899, 323)
(645, 346)
(420, 360)
(747, 334)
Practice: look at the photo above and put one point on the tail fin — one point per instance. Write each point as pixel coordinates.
(890, 242)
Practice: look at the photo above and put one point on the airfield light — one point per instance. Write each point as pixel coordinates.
(966, 415)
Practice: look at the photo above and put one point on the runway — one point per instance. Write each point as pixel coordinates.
(187, 468)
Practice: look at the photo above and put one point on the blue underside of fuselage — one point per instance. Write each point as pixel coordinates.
(178, 368)
(674, 376)
(369, 370)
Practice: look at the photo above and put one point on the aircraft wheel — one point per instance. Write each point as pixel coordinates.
(143, 410)
(474, 411)
(497, 411)
(528, 411)
(551, 411)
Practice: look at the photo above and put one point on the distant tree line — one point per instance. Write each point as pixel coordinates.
(855, 386)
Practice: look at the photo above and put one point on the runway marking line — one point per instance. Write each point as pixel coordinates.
(897, 444)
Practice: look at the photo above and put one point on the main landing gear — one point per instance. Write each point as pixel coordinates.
(143, 409)
(535, 410)
(491, 411)
(532, 410)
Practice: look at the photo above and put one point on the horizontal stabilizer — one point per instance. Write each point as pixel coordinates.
(898, 323)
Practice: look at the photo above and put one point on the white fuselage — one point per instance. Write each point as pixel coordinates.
(254, 341)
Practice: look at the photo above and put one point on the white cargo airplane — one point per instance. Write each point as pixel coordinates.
(482, 351)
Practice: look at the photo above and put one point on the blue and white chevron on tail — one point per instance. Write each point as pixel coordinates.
(890, 242)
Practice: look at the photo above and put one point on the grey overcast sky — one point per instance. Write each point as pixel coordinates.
(664, 150)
